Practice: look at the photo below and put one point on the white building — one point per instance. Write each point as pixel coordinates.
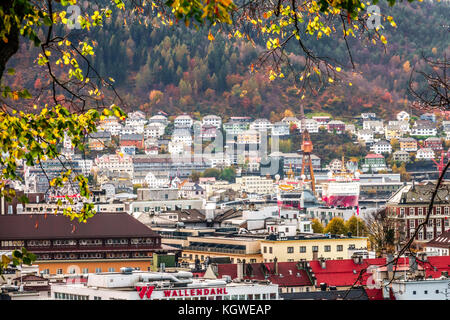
(380, 147)
(425, 153)
(311, 125)
(115, 163)
(280, 128)
(375, 125)
(365, 135)
(256, 184)
(154, 130)
(156, 181)
(159, 118)
(212, 120)
(261, 125)
(183, 121)
(403, 116)
(182, 136)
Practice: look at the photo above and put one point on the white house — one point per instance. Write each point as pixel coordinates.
(183, 121)
(154, 130)
(403, 116)
(261, 124)
(280, 128)
(212, 120)
(159, 118)
(380, 147)
(365, 135)
(425, 153)
(182, 136)
(423, 128)
(375, 125)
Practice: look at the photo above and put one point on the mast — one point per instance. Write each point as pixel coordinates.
(307, 148)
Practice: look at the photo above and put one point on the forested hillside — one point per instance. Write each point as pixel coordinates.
(176, 69)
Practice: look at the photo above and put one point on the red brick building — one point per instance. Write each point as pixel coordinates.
(128, 140)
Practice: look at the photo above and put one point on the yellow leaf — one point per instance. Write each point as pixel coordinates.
(383, 39)
(338, 69)
(210, 36)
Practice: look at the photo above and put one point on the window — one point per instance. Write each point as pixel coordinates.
(59, 271)
(290, 249)
(327, 248)
(270, 249)
(339, 247)
(315, 248)
(110, 269)
(265, 249)
(302, 249)
(98, 270)
(414, 292)
(85, 270)
(425, 292)
(438, 210)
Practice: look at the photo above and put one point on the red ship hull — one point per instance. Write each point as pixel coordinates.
(342, 201)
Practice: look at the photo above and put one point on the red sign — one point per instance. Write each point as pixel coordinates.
(147, 291)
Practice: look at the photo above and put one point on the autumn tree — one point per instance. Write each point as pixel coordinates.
(317, 226)
(356, 226)
(336, 226)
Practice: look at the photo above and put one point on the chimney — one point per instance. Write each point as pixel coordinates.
(240, 271)
(323, 263)
(275, 265)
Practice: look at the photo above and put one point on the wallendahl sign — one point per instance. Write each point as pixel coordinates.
(147, 291)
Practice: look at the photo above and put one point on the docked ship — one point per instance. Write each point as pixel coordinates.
(293, 193)
(181, 285)
(342, 188)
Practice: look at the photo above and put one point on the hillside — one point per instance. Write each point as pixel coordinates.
(176, 69)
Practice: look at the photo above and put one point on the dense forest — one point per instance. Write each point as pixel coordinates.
(177, 69)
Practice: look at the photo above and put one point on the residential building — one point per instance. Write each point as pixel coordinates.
(212, 120)
(280, 128)
(423, 128)
(403, 116)
(381, 147)
(434, 143)
(376, 126)
(249, 137)
(235, 127)
(408, 144)
(115, 163)
(365, 135)
(99, 140)
(255, 184)
(336, 126)
(311, 125)
(159, 118)
(402, 156)
(154, 130)
(374, 162)
(393, 132)
(425, 153)
(183, 121)
(310, 247)
(136, 140)
(440, 245)
(261, 124)
(428, 116)
(408, 208)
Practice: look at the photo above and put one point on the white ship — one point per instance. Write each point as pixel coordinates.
(342, 188)
(138, 285)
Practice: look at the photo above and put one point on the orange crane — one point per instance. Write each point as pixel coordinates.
(307, 148)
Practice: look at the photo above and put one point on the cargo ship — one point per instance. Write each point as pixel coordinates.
(342, 188)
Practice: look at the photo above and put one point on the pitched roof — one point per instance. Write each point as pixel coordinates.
(289, 275)
(50, 226)
(441, 241)
(342, 273)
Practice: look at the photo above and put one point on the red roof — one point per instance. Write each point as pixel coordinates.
(374, 294)
(436, 265)
(341, 273)
(374, 155)
(288, 273)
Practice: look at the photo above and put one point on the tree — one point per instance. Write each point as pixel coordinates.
(228, 174)
(211, 172)
(317, 226)
(336, 226)
(34, 136)
(356, 226)
(381, 231)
